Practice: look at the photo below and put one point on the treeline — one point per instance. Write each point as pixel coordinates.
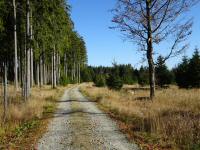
(39, 44)
(126, 72)
(185, 75)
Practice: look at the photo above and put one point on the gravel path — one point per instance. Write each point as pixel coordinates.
(80, 125)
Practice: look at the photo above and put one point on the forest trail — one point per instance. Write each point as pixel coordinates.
(79, 125)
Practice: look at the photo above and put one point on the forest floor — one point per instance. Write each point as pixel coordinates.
(79, 125)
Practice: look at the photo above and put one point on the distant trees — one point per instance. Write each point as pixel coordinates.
(187, 73)
(143, 76)
(86, 75)
(181, 73)
(150, 22)
(126, 73)
(163, 75)
(194, 70)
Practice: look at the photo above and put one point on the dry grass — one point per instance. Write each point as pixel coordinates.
(23, 116)
(171, 121)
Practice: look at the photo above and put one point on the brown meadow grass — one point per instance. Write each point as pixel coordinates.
(170, 121)
(22, 115)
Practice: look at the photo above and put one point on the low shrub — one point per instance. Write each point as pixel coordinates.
(100, 81)
(64, 81)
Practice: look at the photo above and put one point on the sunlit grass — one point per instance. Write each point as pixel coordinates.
(174, 115)
(24, 115)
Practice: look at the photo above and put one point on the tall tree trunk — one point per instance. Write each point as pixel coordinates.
(74, 72)
(28, 73)
(28, 49)
(66, 71)
(38, 74)
(79, 72)
(52, 77)
(57, 67)
(77, 76)
(72, 75)
(65, 65)
(44, 73)
(43, 66)
(21, 68)
(32, 68)
(54, 67)
(41, 71)
(48, 74)
(31, 53)
(19, 71)
(5, 93)
(150, 52)
(24, 71)
(15, 47)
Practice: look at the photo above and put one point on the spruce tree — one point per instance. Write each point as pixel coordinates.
(194, 70)
(143, 76)
(181, 73)
(163, 75)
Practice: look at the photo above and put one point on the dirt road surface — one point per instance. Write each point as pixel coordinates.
(79, 125)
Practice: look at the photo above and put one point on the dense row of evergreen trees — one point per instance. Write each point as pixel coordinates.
(39, 44)
(126, 72)
(185, 75)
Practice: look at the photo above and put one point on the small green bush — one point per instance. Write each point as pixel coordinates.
(114, 82)
(100, 81)
(64, 80)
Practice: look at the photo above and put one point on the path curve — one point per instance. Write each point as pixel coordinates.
(79, 125)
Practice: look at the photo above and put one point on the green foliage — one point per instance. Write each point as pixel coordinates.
(194, 70)
(64, 80)
(126, 72)
(86, 75)
(181, 73)
(163, 75)
(187, 74)
(49, 109)
(1, 15)
(114, 82)
(19, 131)
(143, 76)
(100, 81)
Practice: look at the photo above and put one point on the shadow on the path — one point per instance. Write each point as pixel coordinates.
(75, 100)
(64, 112)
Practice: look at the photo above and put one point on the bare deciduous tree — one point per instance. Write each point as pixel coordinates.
(150, 22)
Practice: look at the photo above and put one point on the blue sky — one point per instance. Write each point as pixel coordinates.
(92, 20)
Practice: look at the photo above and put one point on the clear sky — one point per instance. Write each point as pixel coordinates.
(92, 20)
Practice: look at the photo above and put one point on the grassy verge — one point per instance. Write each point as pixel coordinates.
(171, 121)
(27, 121)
